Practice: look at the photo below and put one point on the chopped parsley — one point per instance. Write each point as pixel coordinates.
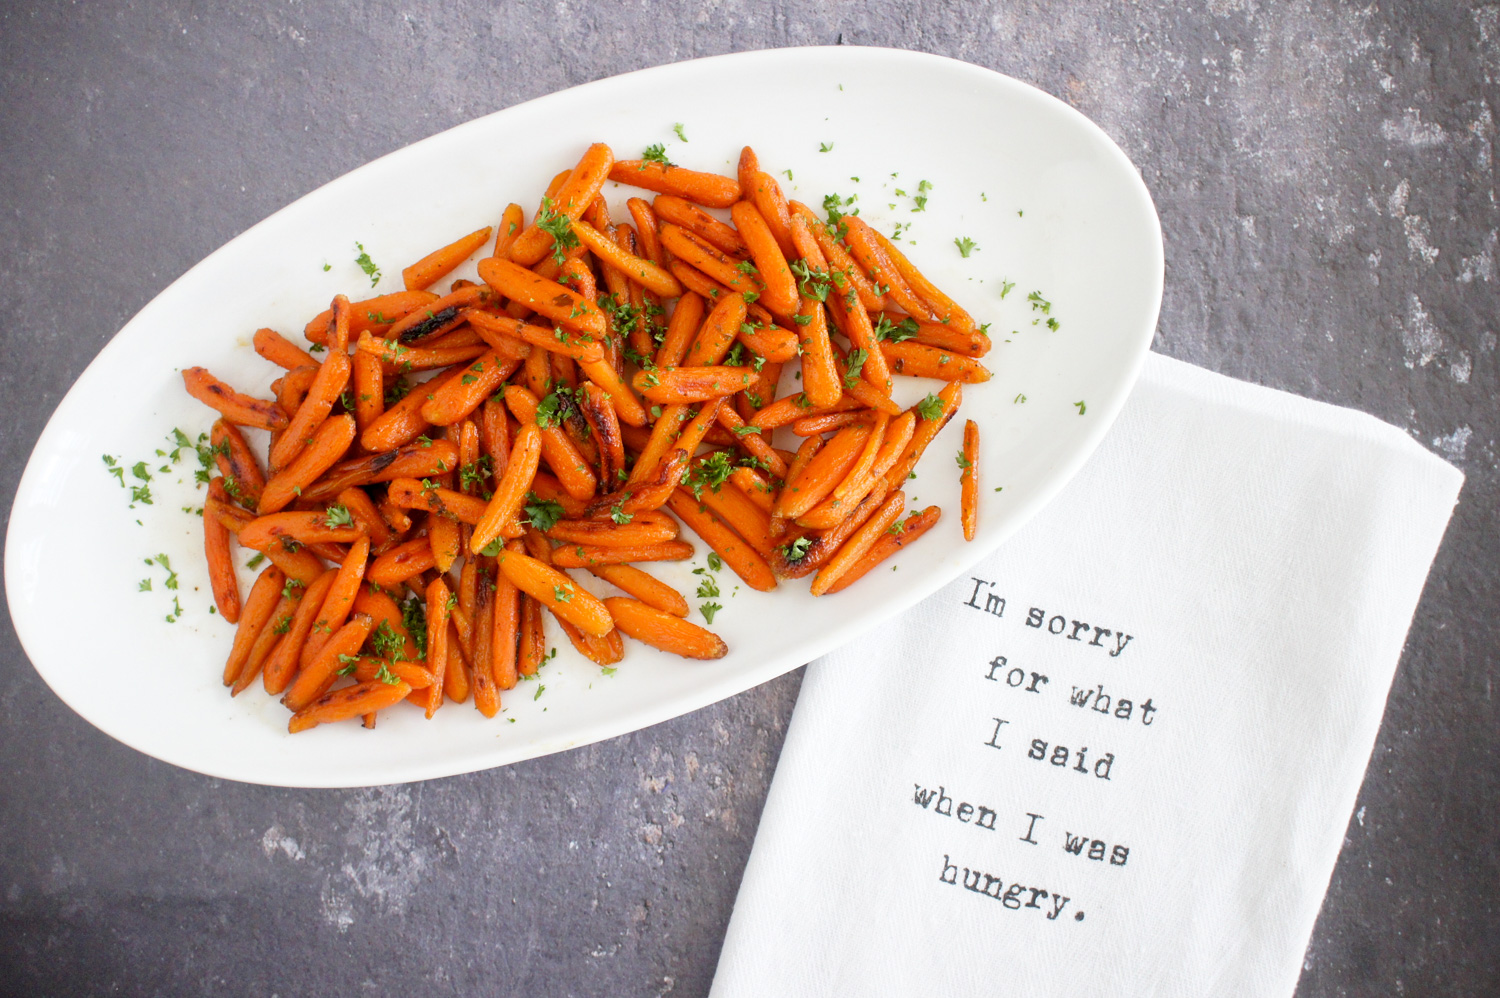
(714, 561)
(542, 514)
(708, 588)
(965, 246)
(367, 265)
(617, 511)
(338, 516)
(964, 462)
(1005, 287)
(656, 154)
(897, 332)
(1038, 303)
(712, 472)
(386, 643)
(414, 619)
(920, 198)
(709, 609)
(678, 129)
(854, 365)
(560, 227)
(1081, 407)
(930, 407)
(797, 550)
(822, 147)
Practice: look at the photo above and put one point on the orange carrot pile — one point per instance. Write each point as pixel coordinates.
(439, 481)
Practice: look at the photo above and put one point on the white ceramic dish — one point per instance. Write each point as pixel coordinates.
(1052, 204)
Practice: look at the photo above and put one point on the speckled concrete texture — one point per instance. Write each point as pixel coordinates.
(1325, 176)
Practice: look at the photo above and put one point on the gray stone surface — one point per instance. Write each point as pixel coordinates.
(1326, 182)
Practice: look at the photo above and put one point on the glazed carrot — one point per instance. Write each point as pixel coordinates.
(627, 407)
(446, 539)
(282, 664)
(432, 322)
(402, 562)
(926, 429)
(865, 248)
(327, 445)
(839, 259)
(790, 408)
(823, 472)
(944, 309)
(562, 456)
(504, 632)
(549, 489)
(866, 463)
(918, 360)
(290, 389)
(589, 555)
(968, 478)
(750, 438)
(854, 322)
(235, 407)
(740, 514)
(512, 221)
(603, 650)
(573, 197)
(648, 274)
(545, 297)
(217, 551)
(264, 595)
(398, 358)
(339, 601)
(347, 703)
(718, 332)
(855, 547)
(301, 564)
(370, 667)
(697, 281)
(510, 490)
(745, 563)
(700, 223)
(481, 675)
(755, 487)
(765, 193)
(604, 426)
(415, 460)
(662, 630)
(456, 684)
(749, 164)
(402, 423)
(556, 591)
(332, 378)
(780, 294)
(971, 343)
(301, 527)
(519, 338)
(644, 587)
(532, 645)
(821, 380)
(707, 189)
(373, 314)
(454, 400)
(646, 226)
(271, 637)
(912, 527)
(828, 513)
(369, 388)
(439, 612)
(366, 518)
(737, 275)
(440, 262)
(279, 350)
(667, 385)
(243, 479)
(821, 546)
(641, 498)
(770, 341)
(827, 422)
(637, 530)
(409, 493)
(321, 670)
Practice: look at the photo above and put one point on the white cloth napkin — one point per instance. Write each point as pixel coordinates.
(1217, 604)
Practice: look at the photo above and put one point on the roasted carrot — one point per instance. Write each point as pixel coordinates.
(968, 460)
(440, 262)
(421, 459)
(271, 636)
(944, 309)
(282, 664)
(561, 454)
(217, 550)
(556, 591)
(512, 222)
(707, 189)
(867, 251)
(918, 360)
(348, 702)
(855, 547)
(700, 223)
(548, 298)
(718, 332)
(339, 602)
(736, 275)
(573, 197)
(644, 587)
(410, 493)
(823, 472)
(780, 294)
(404, 561)
(279, 350)
(332, 378)
(697, 281)
(911, 528)
(264, 595)
(327, 444)
(589, 555)
(510, 490)
(505, 632)
(665, 631)
(765, 193)
(666, 385)
(439, 613)
(625, 531)
(744, 561)
(319, 671)
(235, 407)
(645, 272)
(750, 438)
(482, 675)
(373, 314)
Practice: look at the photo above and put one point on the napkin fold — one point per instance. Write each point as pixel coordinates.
(1117, 757)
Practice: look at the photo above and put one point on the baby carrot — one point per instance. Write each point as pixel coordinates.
(667, 385)
(440, 262)
(700, 223)
(968, 460)
(347, 703)
(662, 630)
(439, 612)
(745, 563)
(556, 591)
(279, 350)
(918, 360)
(339, 601)
(330, 381)
(644, 587)
(321, 670)
(243, 479)
(282, 664)
(327, 444)
(235, 407)
(718, 332)
(707, 189)
(856, 546)
(589, 555)
(572, 198)
(780, 294)
(912, 527)
(510, 491)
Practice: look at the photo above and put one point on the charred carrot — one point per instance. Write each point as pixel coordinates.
(237, 463)
(856, 546)
(327, 444)
(548, 298)
(234, 406)
(700, 223)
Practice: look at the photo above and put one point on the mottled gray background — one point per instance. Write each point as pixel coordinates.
(1326, 183)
